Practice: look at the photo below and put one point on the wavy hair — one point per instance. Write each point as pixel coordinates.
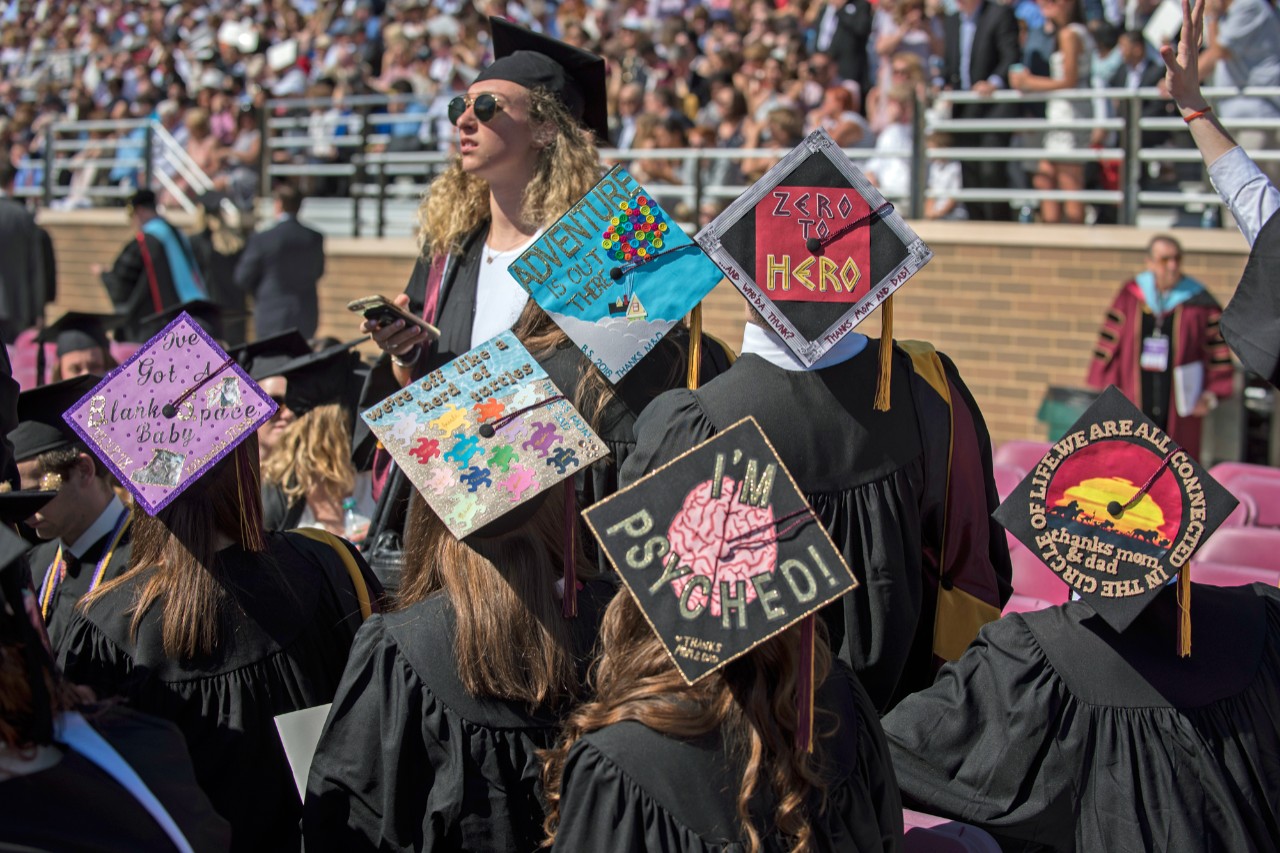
(456, 204)
(751, 702)
(510, 639)
(314, 455)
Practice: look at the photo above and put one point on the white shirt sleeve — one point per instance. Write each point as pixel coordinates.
(1252, 198)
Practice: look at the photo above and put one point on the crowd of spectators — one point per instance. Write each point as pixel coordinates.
(682, 74)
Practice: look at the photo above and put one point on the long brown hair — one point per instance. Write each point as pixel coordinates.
(751, 702)
(511, 641)
(456, 204)
(176, 550)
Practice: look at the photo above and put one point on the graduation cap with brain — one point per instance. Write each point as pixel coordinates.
(815, 248)
(616, 272)
(1116, 510)
(721, 552)
(170, 413)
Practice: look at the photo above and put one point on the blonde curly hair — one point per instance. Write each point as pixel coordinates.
(456, 204)
(314, 454)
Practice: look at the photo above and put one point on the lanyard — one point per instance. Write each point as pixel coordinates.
(57, 570)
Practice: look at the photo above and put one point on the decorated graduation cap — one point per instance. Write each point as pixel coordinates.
(485, 435)
(721, 552)
(1116, 510)
(533, 60)
(616, 272)
(77, 330)
(815, 248)
(265, 357)
(320, 378)
(170, 413)
(41, 427)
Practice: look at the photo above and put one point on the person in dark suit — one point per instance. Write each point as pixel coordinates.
(1140, 70)
(281, 267)
(843, 30)
(981, 42)
(23, 289)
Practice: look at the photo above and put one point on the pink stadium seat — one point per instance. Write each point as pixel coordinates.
(1033, 579)
(1025, 604)
(1260, 495)
(1227, 473)
(925, 833)
(1007, 478)
(1220, 574)
(1021, 454)
(1249, 547)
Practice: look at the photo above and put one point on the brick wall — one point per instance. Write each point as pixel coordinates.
(1016, 307)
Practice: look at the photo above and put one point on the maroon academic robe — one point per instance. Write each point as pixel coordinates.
(1194, 336)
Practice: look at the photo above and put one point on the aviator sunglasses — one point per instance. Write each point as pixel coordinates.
(486, 106)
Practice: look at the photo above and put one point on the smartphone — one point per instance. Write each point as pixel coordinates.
(381, 310)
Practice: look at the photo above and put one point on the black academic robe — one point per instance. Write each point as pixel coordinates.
(1055, 733)
(905, 495)
(218, 271)
(1251, 321)
(75, 805)
(293, 616)
(128, 284)
(410, 760)
(79, 576)
(627, 787)
(23, 279)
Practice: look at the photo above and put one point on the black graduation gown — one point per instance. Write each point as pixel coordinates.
(79, 575)
(1251, 321)
(219, 273)
(1055, 733)
(409, 760)
(294, 616)
(628, 788)
(75, 805)
(881, 482)
(130, 289)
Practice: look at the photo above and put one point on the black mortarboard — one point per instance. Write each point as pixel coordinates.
(1116, 509)
(1251, 320)
(815, 248)
(40, 424)
(575, 76)
(144, 199)
(76, 330)
(265, 357)
(319, 378)
(720, 549)
(18, 506)
(207, 315)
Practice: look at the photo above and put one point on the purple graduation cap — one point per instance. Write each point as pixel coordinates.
(169, 413)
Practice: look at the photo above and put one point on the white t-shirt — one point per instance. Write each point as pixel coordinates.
(499, 297)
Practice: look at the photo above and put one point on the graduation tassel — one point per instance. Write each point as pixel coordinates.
(249, 495)
(1184, 612)
(695, 347)
(569, 601)
(804, 686)
(886, 355)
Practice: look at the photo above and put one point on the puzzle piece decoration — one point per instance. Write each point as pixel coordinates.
(544, 435)
(520, 481)
(562, 459)
(502, 457)
(425, 450)
(475, 478)
(451, 419)
(463, 449)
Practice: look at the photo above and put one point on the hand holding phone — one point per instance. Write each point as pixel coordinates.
(382, 312)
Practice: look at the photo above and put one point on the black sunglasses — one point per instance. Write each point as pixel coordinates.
(486, 106)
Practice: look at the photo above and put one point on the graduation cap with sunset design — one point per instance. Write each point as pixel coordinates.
(721, 552)
(815, 249)
(1116, 509)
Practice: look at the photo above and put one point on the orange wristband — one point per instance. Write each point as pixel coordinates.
(1197, 114)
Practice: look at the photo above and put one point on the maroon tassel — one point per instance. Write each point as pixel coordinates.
(804, 687)
(570, 598)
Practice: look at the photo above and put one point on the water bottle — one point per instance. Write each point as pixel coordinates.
(353, 530)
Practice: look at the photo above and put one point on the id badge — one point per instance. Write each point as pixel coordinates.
(1155, 354)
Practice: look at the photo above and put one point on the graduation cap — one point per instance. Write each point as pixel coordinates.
(721, 552)
(616, 272)
(77, 330)
(815, 248)
(265, 356)
(145, 199)
(1116, 510)
(41, 427)
(319, 378)
(208, 315)
(575, 76)
(18, 505)
(170, 413)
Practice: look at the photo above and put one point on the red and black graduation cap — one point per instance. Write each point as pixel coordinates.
(79, 330)
(533, 60)
(1116, 510)
(815, 248)
(265, 357)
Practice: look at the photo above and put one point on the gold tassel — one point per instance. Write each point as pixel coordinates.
(1184, 612)
(695, 346)
(886, 356)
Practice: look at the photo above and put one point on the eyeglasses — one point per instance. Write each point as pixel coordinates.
(485, 105)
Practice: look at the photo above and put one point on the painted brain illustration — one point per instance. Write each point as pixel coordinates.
(746, 547)
(637, 231)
